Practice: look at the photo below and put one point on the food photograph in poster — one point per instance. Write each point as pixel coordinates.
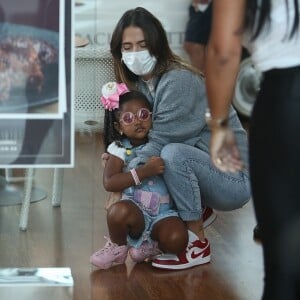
(35, 83)
(31, 43)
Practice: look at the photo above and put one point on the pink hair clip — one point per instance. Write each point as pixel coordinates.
(111, 93)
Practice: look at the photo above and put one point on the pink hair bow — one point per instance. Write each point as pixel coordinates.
(111, 93)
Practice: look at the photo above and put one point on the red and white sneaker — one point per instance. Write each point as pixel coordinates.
(197, 253)
(208, 216)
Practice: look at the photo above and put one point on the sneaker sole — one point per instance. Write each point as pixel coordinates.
(101, 266)
(203, 261)
(105, 266)
(210, 220)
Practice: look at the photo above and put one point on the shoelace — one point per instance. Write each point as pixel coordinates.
(190, 245)
(107, 246)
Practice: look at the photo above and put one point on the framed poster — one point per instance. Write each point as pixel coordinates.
(32, 55)
(36, 62)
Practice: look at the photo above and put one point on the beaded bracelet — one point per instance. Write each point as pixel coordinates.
(135, 177)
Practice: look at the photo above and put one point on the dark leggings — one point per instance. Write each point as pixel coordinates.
(275, 179)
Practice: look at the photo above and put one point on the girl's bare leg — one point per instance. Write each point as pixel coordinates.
(124, 218)
(171, 234)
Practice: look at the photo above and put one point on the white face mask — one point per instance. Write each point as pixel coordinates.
(140, 62)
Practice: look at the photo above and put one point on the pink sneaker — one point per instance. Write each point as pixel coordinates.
(146, 250)
(208, 216)
(197, 253)
(109, 254)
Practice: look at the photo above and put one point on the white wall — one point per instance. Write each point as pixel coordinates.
(96, 19)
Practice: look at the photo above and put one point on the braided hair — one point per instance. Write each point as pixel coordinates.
(112, 116)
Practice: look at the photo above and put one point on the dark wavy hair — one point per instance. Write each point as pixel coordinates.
(156, 41)
(112, 116)
(262, 9)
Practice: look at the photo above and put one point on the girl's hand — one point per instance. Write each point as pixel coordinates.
(154, 166)
(224, 151)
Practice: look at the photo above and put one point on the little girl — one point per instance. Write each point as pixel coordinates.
(144, 223)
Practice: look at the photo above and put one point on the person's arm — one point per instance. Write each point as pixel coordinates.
(223, 55)
(115, 180)
(222, 66)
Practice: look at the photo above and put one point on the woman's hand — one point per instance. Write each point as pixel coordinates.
(112, 198)
(224, 151)
(104, 159)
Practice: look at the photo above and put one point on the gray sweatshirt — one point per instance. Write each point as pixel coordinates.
(179, 104)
